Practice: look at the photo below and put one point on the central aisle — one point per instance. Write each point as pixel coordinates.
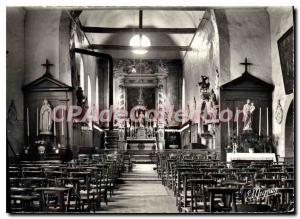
(141, 191)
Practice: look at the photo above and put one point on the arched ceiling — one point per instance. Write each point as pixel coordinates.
(151, 18)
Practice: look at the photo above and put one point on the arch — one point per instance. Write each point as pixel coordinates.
(64, 48)
(224, 44)
(289, 132)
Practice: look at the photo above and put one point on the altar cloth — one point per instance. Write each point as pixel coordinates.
(250, 156)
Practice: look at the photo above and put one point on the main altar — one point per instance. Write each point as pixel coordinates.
(141, 92)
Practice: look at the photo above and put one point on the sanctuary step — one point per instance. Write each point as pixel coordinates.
(143, 158)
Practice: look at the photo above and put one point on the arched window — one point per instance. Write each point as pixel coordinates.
(81, 74)
(89, 92)
(97, 93)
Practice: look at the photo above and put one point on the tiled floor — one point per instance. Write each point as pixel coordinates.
(141, 192)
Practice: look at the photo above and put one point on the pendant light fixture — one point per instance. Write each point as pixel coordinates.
(140, 41)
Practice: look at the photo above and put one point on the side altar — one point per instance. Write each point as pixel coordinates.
(246, 103)
(46, 137)
(250, 157)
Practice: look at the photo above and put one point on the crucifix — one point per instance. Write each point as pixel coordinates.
(47, 65)
(246, 63)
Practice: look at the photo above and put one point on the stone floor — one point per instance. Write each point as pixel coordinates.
(140, 191)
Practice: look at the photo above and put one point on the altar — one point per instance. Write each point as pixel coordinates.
(250, 157)
(147, 144)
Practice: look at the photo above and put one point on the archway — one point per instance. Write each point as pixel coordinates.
(289, 133)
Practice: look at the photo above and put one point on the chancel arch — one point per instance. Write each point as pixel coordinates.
(181, 105)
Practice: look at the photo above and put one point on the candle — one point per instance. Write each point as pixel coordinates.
(259, 132)
(62, 123)
(237, 122)
(267, 122)
(27, 113)
(228, 123)
(37, 122)
(54, 124)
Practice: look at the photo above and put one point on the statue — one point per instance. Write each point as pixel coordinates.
(45, 118)
(247, 112)
(204, 84)
(141, 119)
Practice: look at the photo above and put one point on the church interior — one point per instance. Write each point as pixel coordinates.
(150, 110)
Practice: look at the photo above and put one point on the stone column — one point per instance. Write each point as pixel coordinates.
(160, 108)
(122, 108)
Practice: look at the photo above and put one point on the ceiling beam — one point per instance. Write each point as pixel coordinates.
(87, 29)
(150, 48)
(140, 19)
(144, 8)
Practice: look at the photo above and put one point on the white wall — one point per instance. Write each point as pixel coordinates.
(281, 19)
(15, 57)
(249, 36)
(15, 73)
(41, 42)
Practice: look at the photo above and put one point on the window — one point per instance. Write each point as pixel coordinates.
(97, 93)
(81, 74)
(89, 92)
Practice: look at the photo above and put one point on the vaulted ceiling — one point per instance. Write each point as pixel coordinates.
(171, 43)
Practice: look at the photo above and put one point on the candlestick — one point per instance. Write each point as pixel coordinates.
(237, 122)
(267, 122)
(259, 132)
(37, 122)
(62, 123)
(27, 113)
(228, 123)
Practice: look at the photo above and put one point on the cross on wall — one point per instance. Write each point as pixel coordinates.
(47, 65)
(246, 63)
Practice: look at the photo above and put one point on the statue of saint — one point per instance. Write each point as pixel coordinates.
(45, 118)
(141, 119)
(204, 84)
(247, 112)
